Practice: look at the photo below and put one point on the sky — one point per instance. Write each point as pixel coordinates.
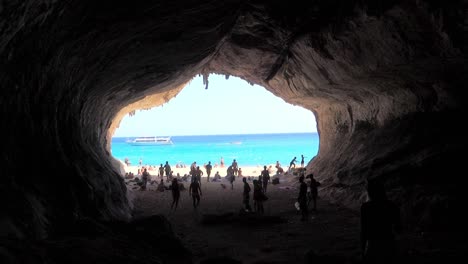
(230, 106)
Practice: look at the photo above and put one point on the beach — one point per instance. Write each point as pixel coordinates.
(253, 171)
(219, 228)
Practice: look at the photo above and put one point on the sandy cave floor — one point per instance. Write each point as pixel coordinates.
(330, 231)
(279, 237)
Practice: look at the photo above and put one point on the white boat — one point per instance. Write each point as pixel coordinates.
(150, 141)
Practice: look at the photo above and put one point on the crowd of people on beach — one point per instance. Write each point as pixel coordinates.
(380, 219)
(175, 183)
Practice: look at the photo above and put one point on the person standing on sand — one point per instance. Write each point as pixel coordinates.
(230, 176)
(258, 197)
(161, 171)
(313, 194)
(175, 193)
(208, 170)
(380, 221)
(145, 176)
(234, 167)
(265, 178)
(302, 161)
(246, 196)
(302, 199)
(167, 169)
(195, 191)
(193, 167)
(221, 162)
(198, 174)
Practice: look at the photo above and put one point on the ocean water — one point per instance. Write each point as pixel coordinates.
(247, 149)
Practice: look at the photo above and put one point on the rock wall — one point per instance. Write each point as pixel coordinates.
(385, 80)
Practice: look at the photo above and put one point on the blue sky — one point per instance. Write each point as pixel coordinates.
(227, 107)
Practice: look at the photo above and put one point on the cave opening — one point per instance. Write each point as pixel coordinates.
(259, 129)
(231, 107)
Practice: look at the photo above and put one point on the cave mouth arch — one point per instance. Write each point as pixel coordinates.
(230, 106)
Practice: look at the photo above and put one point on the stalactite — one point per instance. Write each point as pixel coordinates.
(205, 80)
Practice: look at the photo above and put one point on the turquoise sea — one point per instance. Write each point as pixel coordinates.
(247, 149)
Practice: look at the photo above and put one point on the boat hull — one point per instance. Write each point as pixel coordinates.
(149, 143)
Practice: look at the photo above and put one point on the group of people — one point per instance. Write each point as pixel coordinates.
(307, 193)
(292, 163)
(379, 216)
(194, 191)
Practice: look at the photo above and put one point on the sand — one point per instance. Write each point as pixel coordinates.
(218, 229)
(276, 237)
(246, 170)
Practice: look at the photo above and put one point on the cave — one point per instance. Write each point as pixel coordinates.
(384, 79)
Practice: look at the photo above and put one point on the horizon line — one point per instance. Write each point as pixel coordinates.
(312, 132)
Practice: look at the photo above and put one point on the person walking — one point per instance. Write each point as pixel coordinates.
(195, 191)
(302, 199)
(265, 178)
(161, 171)
(380, 221)
(199, 174)
(167, 169)
(208, 169)
(246, 195)
(175, 193)
(235, 167)
(258, 197)
(313, 194)
(230, 176)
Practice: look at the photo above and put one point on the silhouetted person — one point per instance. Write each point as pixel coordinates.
(230, 176)
(217, 177)
(161, 171)
(145, 176)
(302, 199)
(197, 174)
(265, 178)
(161, 186)
(302, 160)
(193, 167)
(258, 196)
(208, 168)
(175, 193)
(235, 167)
(246, 195)
(195, 192)
(292, 163)
(239, 173)
(380, 219)
(167, 169)
(312, 196)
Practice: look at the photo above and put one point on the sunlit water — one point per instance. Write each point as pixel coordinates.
(248, 149)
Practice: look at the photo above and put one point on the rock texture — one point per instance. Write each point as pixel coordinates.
(386, 80)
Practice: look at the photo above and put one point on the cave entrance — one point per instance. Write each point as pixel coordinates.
(231, 120)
